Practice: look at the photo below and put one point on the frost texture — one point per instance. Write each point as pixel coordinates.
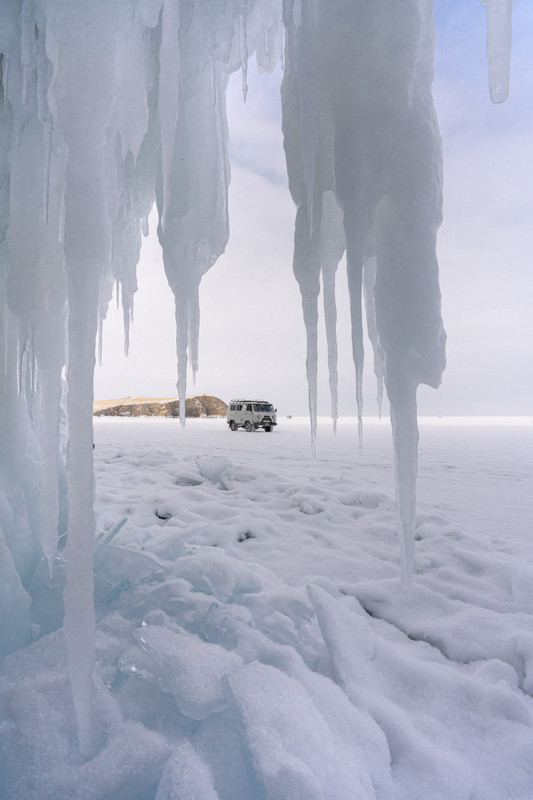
(108, 106)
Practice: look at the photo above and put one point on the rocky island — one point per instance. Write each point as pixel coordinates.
(199, 405)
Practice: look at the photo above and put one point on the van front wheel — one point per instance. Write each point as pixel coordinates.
(248, 427)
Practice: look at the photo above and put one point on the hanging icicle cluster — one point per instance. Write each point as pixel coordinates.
(108, 106)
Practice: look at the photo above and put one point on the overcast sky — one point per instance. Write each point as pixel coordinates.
(252, 339)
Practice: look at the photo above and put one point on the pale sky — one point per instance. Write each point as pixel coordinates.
(252, 338)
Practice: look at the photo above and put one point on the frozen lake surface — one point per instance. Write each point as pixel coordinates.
(253, 641)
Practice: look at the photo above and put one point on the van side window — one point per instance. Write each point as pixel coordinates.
(249, 407)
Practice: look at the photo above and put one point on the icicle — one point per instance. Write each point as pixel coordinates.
(214, 84)
(100, 340)
(196, 228)
(358, 352)
(126, 319)
(127, 315)
(306, 265)
(311, 363)
(61, 221)
(27, 48)
(282, 42)
(20, 361)
(47, 160)
(243, 45)
(79, 623)
(309, 134)
(182, 325)
(332, 247)
(90, 209)
(268, 49)
(369, 280)
(405, 438)
(169, 59)
(330, 316)
(49, 438)
(4, 77)
(222, 143)
(297, 13)
(499, 41)
(41, 64)
(194, 331)
(33, 368)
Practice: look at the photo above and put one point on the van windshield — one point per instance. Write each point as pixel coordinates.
(263, 407)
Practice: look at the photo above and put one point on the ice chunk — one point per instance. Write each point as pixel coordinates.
(189, 668)
(217, 574)
(214, 468)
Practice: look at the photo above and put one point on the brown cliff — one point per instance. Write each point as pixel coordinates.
(199, 405)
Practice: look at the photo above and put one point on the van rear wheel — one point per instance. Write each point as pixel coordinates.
(233, 425)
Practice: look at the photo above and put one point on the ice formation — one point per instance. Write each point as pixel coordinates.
(110, 105)
(359, 125)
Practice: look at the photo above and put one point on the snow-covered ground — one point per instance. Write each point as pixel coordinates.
(253, 641)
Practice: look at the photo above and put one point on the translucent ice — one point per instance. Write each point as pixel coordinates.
(499, 38)
(383, 168)
(108, 107)
(189, 668)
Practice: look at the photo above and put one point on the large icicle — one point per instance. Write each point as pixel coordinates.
(213, 40)
(169, 61)
(309, 177)
(243, 47)
(80, 46)
(407, 294)
(499, 40)
(379, 151)
(195, 228)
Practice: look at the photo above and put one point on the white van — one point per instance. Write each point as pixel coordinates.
(251, 415)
